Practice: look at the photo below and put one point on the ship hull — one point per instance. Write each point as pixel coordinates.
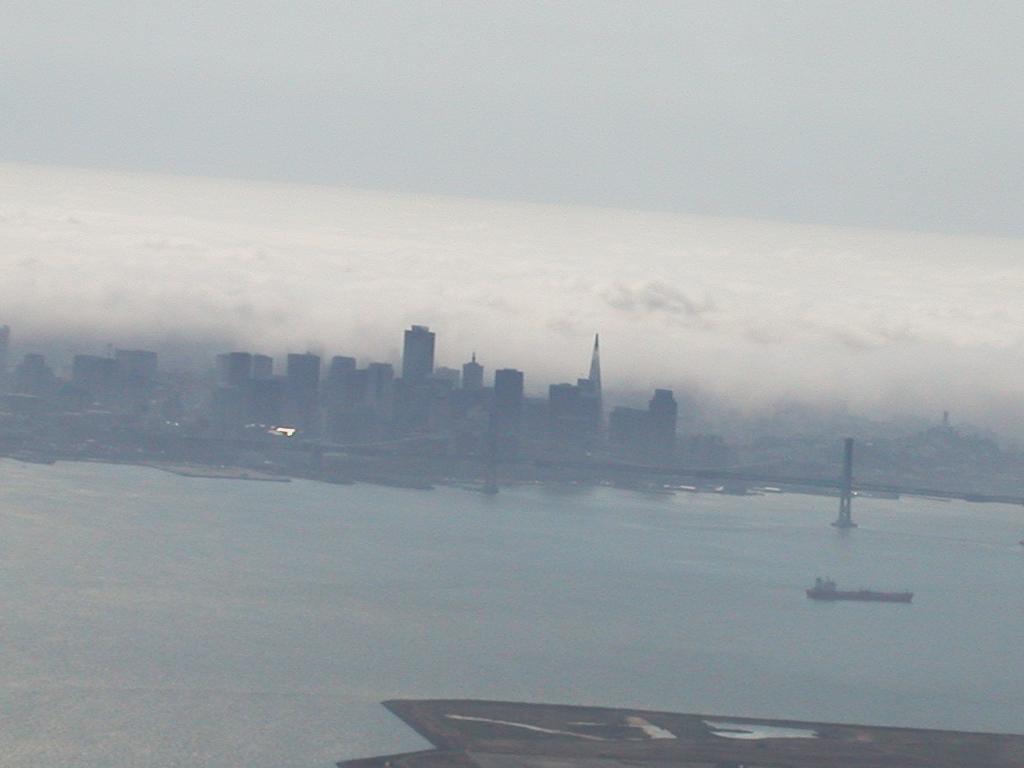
(861, 595)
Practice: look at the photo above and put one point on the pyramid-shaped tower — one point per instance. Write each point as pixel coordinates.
(595, 366)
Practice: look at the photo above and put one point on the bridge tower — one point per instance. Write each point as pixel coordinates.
(845, 519)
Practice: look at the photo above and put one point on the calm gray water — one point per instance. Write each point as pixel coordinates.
(153, 620)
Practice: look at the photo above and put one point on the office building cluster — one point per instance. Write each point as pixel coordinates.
(335, 401)
(125, 381)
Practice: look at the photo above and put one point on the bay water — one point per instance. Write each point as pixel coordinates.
(155, 620)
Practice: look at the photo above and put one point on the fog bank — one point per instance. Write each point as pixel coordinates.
(755, 311)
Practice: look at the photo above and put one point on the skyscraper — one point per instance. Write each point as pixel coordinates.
(417, 354)
(414, 393)
(563, 405)
(508, 398)
(574, 413)
(595, 366)
(339, 386)
(380, 394)
(472, 375)
(662, 414)
(648, 435)
(262, 366)
(594, 380)
(234, 368)
(302, 388)
(341, 366)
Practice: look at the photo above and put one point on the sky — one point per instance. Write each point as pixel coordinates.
(902, 115)
(814, 200)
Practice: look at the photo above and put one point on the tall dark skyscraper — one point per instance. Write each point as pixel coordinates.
(340, 383)
(417, 354)
(472, 375)
(302, 389)
(508, 398)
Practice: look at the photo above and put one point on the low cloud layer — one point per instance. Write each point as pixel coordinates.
(752, 310)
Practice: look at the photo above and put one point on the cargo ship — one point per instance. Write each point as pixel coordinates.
(825, 589)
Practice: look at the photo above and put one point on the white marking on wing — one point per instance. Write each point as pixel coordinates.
(525, 726)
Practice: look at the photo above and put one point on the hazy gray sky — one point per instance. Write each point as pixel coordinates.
(904, 114)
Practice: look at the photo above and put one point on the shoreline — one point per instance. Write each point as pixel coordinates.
(477, 485)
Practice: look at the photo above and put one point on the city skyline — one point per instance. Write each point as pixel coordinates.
(432, 425)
